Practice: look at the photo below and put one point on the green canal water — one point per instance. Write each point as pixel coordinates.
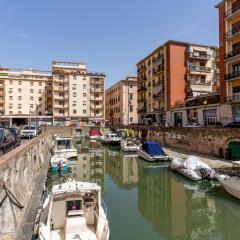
(148, 202)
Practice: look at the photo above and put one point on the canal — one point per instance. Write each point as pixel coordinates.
(147, 201)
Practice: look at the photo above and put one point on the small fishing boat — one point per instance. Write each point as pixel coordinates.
(231, 185)
(130, 145)
(74, 210)
(193, 168)
(152, 151)
(59, 164)
(111, 139)
(63, 147)
(94, 134)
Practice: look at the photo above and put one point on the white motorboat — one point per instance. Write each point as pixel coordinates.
(231, 185)
(193, 168)
(130, 145)
(111, 139)
(73, 210)
(63, 147)
(152, 151)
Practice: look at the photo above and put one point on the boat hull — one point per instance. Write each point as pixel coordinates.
(142, 154)
(230, 189)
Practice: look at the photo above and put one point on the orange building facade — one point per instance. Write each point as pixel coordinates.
(171, 74)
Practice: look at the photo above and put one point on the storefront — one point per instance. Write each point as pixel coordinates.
(210, 116)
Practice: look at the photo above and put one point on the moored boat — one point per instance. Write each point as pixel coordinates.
(58, 164)
(74, 210)
(111, 139)
(231, 185)
(193, 168)
(130, 145)
(63, 147)
(152, 151)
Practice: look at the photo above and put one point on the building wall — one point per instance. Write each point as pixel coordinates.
(176, 74)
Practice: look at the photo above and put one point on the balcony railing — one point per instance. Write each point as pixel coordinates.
(233, 53)
(232, 75)
(234, 32)
(155, 60)
(142, 78)
(160, 94)
(199, 55)
(234, 98)
(143, 68)
(158, 70)
(232, 10)
(199, 68)
(142, 89)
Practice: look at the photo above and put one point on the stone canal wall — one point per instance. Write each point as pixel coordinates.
(211, 141)
(19, 170)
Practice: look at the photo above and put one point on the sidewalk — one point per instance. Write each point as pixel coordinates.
(211, 161)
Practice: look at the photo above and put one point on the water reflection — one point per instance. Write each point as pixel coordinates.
(148, 201)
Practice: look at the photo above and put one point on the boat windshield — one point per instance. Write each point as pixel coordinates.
(64, 144)
(73, 205)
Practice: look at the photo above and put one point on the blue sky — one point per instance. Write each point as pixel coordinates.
(109, 35)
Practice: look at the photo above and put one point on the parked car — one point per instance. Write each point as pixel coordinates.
(16, 135)
(233, 125)
(7, 141)
(29, 131)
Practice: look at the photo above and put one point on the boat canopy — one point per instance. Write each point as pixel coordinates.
(94, 132)
(153, 148)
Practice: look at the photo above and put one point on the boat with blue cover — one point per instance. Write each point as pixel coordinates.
(152, 151)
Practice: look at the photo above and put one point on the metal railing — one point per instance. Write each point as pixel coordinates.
(234, 98)
(232, 75)
(232, 53)
(233, 32)
(199, 55)
(232, 10)
(199, 68)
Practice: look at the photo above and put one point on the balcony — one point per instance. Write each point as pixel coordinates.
(234, 98)
(232, 33)
(96, 106)
(158, 95)
(158, 70)
(232, 54)
(231, 76)
(96, 82)
(96, 98)
(97, 90)
(157, 59)
(142, 79)
(195, 68)
(60, 89)
(61, 106)
(232, 11)
(142, 89)
(142, 68)
(199, 55)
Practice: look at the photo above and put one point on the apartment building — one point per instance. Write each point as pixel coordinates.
(229, 41)
(25, 94)
(171, 74)
(67, 95)
(78, 95)
(121, 102)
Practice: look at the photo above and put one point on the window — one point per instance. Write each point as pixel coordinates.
(11, 82)
(19, 112)
(74, 77)
(84, 111)
(10, 90)
(31, 91)
(19, 97)
(61, 112)
(84, 103)
(19, 105)
(19, 90)
(39, 83)
(31, 83)
(84, 79)
(97, 111)
(61, 77)
(10, 106)
(84, 86)
(74, 111)
(39, 99)
(19, 82)
(10, 112)
(10, 97)
(130, 85)
(84, 95)
(131, 108)
(74, 94)
(39, 90)
(31, 105)
(131, 119)
(31, 98)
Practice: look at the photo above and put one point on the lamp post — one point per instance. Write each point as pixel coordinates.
(205, 113)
